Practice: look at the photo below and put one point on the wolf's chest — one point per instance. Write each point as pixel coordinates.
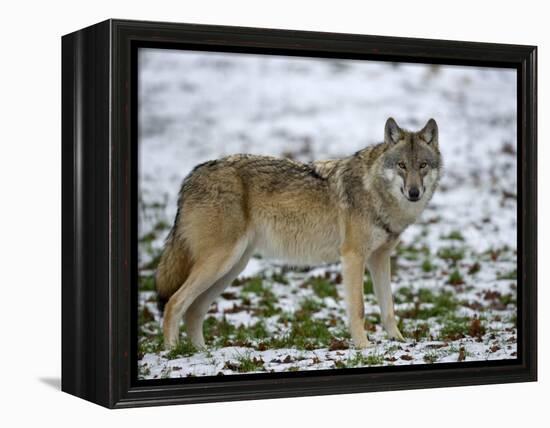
(304, 244)
(404, 214)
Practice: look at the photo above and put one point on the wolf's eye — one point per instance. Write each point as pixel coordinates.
(402, 165)
(423, 165)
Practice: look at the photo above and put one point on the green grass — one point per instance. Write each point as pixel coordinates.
(368, 286)
(455, 278)
(304, 334)
(507, 299)
(267, 305)
(247, 363)
(431, 356)
(184, 348)
(392, 349)
(445, 300)
(425, 295)
(254, 286)
(150, 344)
(494, 254)
(512, 275)
(161, 226)
(147, 283)
(430, 313)
(418, 332)
(146, 244)
(427, 266)
(148, 237)
(280, 278)
(308, 307)
(360, 360)
(451, 254)
(373, 318)
(412, 253)
(441, 304)
(404, 295)
(323, 288)
(455, 327)
(304, 331)
(218, 332)
(254, 332)
(455, 235)
(154, 206)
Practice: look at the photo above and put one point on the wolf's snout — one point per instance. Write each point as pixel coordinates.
(414, 194)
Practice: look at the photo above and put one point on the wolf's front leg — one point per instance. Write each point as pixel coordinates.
(379, 267)
(353, 266)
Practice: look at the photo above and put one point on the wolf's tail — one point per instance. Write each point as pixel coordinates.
(172, 271)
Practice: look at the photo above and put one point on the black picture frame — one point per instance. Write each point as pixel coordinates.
(99, 156)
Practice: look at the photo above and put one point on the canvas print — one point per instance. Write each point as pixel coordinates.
(299, 214)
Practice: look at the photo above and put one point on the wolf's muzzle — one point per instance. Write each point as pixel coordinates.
(414, 194)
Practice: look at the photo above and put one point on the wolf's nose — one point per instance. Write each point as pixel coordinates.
(414, 193)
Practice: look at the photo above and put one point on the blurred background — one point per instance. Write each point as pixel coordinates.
(454, 272)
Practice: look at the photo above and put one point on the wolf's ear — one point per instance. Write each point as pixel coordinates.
(392, 131)
(429, 133)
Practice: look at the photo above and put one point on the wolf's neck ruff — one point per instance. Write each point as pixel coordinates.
(387, 228)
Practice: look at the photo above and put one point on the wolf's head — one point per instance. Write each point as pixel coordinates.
(412, 163)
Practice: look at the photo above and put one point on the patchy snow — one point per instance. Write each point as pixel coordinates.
(200, 106)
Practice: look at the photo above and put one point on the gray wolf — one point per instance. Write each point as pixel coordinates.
(351, 210)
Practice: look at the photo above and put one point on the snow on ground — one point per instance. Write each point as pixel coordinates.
(454, 272)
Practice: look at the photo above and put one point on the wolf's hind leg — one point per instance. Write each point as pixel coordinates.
(353, 266)
(194, 317)
(206, 271)
(379, 267)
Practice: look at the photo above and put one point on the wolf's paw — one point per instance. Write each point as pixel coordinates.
(169, 346)
(396, 334)
(200, 347)
(170, 343)
(393, 332)
(362, 343)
